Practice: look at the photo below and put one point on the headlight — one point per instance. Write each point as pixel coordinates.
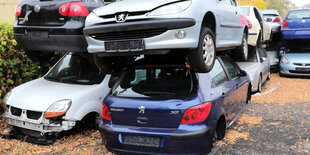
(170, 8)
(92, 18)
(285, 60)
(5, 99)
(58, 108)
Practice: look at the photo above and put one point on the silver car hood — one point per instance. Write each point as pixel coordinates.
(248, 66)
(130, 6)
(39, 94)
(298, 57)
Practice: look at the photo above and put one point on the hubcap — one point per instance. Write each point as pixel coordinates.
(208, 50)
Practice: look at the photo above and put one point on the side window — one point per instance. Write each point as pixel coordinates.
(226, 1)
(218, 74)
(232, 70)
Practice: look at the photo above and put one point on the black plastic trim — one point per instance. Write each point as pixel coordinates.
(178, 136)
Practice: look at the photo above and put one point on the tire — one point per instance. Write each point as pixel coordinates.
(203, 57)
(39, 56)
(269, 76)
(220, 129)
(259, 85)
(249, 96)
(243, 50)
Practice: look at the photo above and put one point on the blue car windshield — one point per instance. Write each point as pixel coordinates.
(76, 69)
(299, 14)
(154, 83)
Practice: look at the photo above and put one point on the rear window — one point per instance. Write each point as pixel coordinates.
(246, 10)
(299, 14)
(154, 82)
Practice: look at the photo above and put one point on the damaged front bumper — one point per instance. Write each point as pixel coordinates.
(34, 120)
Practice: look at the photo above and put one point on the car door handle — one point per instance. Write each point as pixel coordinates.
(224, 95)
(236, 12)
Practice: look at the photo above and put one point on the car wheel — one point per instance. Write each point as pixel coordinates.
(220, 129)
(259, 86)
(202, 59)
(269, 76)
(243, 50)
(39, 56)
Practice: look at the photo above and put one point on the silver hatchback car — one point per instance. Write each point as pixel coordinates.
(198, 28)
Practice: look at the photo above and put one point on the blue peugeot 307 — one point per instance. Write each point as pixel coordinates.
(168, 109)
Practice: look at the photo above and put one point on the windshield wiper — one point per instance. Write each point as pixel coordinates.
(52, 78)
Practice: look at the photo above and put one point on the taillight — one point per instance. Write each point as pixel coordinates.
(105, 112)
(196, 114)
(285, 23)
(73, 9)
(18, 10)
(250, 26)
(277, 20)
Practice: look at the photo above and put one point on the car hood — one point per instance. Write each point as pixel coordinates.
(298, 57)
(39, 94)
(248, 66)
(131, 6)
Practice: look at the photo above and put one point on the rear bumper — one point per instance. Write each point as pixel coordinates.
(61, 43)
(296, 34)
(172, 141)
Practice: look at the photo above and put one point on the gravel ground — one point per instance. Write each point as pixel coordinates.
(275, 122)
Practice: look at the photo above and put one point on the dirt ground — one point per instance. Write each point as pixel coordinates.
(276, 121)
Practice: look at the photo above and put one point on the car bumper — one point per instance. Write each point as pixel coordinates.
(163, 40)
(252, 39)
(296, 34)
(40, 124)
(171, 140)
(67, 38)
(289, 69)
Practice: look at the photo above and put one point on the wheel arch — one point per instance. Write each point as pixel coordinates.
(209, 21)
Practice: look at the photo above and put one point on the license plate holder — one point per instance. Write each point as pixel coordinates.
(36, 34)
(303, 69)
(124, 45)
(137, 140)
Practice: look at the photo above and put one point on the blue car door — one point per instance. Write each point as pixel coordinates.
(235, 89)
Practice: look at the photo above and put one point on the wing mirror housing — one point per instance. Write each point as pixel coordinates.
(263, 59)
(242, 73)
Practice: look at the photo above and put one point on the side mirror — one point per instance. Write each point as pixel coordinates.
(281, 53)
(242, 73)
(263, 59)
(112, 80)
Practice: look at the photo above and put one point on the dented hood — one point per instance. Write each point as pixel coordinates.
(131, 6)
(39, 94)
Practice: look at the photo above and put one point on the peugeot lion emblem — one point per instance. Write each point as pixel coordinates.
(121, 17)
(142, 109)
(37, 8)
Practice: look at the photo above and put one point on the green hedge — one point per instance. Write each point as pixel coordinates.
(15, 67)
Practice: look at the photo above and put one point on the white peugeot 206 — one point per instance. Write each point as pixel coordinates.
(69, 94)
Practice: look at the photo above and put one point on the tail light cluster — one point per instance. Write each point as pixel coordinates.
(277, 20)
(196, 114)
(73, 9)
(285, 23)
(250, 26)
(18, 10)
(105, 112)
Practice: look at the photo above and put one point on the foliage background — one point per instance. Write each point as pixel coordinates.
(15, 67)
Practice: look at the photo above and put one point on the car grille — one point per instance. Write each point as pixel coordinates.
(300, 71)
(33, 114)
(137, 34)
(16, 111)
(30, 114)
(301, 64)
(138, 13)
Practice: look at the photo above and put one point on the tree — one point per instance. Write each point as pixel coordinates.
(283, 6)
(260, 4)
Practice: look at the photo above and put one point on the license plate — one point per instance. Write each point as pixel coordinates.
(303, 69)
(302, 32)
(124, 45)
(24, 124)
(141, 140)
(36, 34)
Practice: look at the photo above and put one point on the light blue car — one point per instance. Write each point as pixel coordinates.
(193, 28)
(295, 62)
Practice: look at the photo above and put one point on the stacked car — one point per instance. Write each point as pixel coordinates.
(156, 72)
